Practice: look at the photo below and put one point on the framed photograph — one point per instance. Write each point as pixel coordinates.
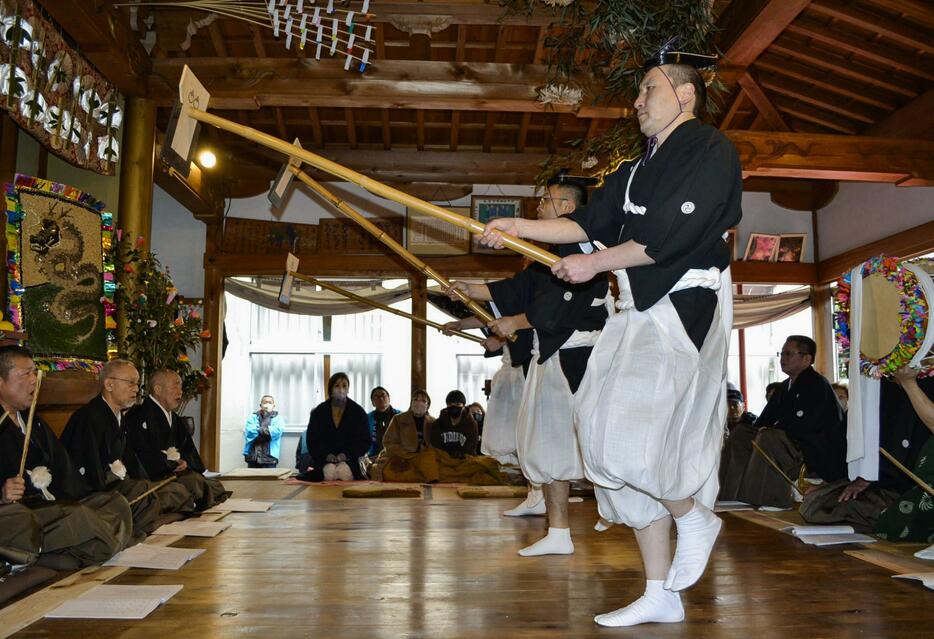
(426, 235)
(731, 242)
(762, 247)
(791, 247)
(484, 208)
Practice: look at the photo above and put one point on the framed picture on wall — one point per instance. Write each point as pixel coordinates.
(791, 247)
(484, 208)
(731, 243)
(426, 235)
(761, 247)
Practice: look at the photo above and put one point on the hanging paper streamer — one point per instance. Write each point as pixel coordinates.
(288, 34)
(350, 42)
(303, 31)
(347, 62)
(301, 3)
(318, 52)
(366, 7)
(349, 20)
(369, 33)
(275, 23)
(330, 6)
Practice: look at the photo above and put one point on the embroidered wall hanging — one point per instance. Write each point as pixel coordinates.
(61, 273)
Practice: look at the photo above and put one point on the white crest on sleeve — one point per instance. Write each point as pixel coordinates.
(687, 208)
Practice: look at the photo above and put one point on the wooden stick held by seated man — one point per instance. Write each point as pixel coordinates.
(163, 444)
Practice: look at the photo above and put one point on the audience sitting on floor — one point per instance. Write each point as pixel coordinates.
(476, 411)
(337, 437)
(263, 435)
(893, 506)
(163, 444)
(379, 419)
(55, 518)
(736, 413)
(801, 427)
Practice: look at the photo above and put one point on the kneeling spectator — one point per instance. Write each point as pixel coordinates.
(338, 436)
(379, 419)
(263, 434)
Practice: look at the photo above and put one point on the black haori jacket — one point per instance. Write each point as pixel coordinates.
(94, 440)
(150, 434)
(44, 450)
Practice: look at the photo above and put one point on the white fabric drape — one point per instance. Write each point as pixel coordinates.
(862, 420)
(753, 310)
(305, 301)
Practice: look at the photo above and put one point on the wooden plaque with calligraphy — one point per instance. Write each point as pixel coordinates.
(267, 237)
(426, 235)
(346, 236)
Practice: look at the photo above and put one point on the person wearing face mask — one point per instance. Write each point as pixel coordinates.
(263, 435)
(405, 456)
(338, 435)
(379, 419)
(455, 431)
(476, 411)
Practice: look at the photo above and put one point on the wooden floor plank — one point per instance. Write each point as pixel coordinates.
(432, 568)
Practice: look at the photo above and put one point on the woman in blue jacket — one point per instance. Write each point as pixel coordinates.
(263, 435)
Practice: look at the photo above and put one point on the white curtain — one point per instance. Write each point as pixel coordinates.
(753, 310)
(305, 301)
(295, 380)
(472, 373)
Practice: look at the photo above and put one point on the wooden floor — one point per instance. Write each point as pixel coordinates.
(317, 565)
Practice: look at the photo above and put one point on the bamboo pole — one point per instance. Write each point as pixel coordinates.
(373, 186)
(381, 306)
(771, 462)
(32, 414)
(153, 489)
(397, 248)
(921, 483)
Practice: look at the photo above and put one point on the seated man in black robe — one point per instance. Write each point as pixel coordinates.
(902, 433)
(78, 527)
(97, 443)
(802, 424)
(159, 437)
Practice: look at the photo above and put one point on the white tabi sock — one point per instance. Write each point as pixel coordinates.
(697, 531)
(657, 605)
(534, 504)
(602, 525)
(556, 542)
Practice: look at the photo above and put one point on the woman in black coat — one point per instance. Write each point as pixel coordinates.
(338, 435)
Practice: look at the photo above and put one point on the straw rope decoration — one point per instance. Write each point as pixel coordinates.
(332, 31)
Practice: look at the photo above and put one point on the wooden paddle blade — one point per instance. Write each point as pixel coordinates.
(285, 289)
(280, 186)
(181, 136)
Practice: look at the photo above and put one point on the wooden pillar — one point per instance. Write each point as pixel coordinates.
(211, 355)
(134, 215)
(741, 341)
(822, 328)
(9, 137)
(419, 333)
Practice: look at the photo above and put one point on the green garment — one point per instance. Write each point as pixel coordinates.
(911, 517)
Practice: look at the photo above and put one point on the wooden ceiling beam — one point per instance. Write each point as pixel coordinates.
(833, 157)
(877, 52)
(842, 66)
(315, 122)
(351, 128)
(732, 111)
(488, 132)
(894, 30)
(918, 10)
(420, 130)
(523, 132)
(387, 133)
(808, 94)
(750, 26)
(258, 41)
(367, 265)
(400, 84)
(761, 101)
(473, 12)
(105, 38)
(455, 129)
(461, 50)
(911, 121)
(838, 85)
(827, 120)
